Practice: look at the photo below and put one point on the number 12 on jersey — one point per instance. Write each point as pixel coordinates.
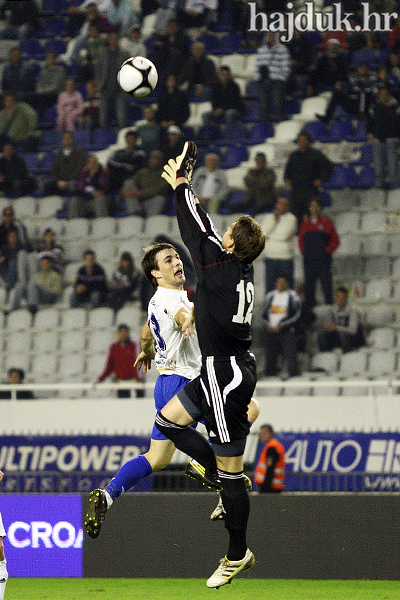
(246, 292)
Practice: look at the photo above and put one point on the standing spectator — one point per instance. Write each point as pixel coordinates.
(318, 239)
(91, 191)
(91, 283)
(15, 180)
(260, 187)
(330, 66)
(281, 314)
(94, 24)
(18, 76)
(125, 162)
(44, 287)
(121, 15)
(69, 161)
(145, 193)
(91, 110)
(210, 184)
(383, 127)
(198, 71)
(126, 282)
(302, 52)
(279, 228)
(18, 123)
(272, 72)
(171, 49)
(48, 247)
(14, 376)
(173, 145)
(15, 247)
(197, 13)
(132, 43)
(12, 252)
(270, 469)
(227, 102)
(112, 97)
(149, 131)
(69, 107)
(86, 51)
(50, 82)
(173, 105)
(305, 171)
(121, 359)
(19, 18)
(343, 326)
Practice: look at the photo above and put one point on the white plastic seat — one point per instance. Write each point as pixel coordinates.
(18, 360)
(44, 368)
(327, 361)
(396, 269)
(197, 110)
(373, 221)
(101, 318)
(394, 244)
(292, 389)
(311, 107)
(347, 222)
(376, 291)
(104, 249)
(103, 227)
(331, 386)
(350, 245)
(73, 341)
(70, 272)
(348, 267)
(76, 229)
(131, 316)
(18, 320)
(48, 206)
(375, 244)
(356, 389)
(382, 338)
(236, 176)
(377, 267)
(134, 246)
(57, 225)
(353, 363)
(74, 249)
(46, 318)
(71, 365)
(249, 65)
(95, 365)
(25, 207)
(380, 315)
(73, 318)
(286, 131)
(45, 342)
(156, 225)
(100, 340)
(19, 341)
(393, 201)
(130, 227)
(396, 292)
(372, 199)
(381, 363)
(236, 63)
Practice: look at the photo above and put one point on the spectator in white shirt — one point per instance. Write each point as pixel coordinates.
(279, 228)
(210, 184)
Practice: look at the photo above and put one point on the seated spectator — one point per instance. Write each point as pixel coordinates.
(18, 124)
(343, 326)
(279, 228)
(19, 19)
(91, 191)
(199, 71)
(121, 359)
(77, 15)
(260, 187)
(69, 107)
(121, 15)
(197, 13)
(91, 283)
(18, 76)
(125, 162)
(44, 288)
(330, 66)
(281, 314)
(16, 376)
(385, 80)
(173, 105)
(18, 246)
(145, 193)
(125, 285)
(15, 180)
(210, 184)
(89, 34)
(69, 161)
(91, 107)
(131, 42)
(171, 49)
(11, 253)
(173, 145)
(50, 82)
(48, 247)
(227, 102)
(149, 131)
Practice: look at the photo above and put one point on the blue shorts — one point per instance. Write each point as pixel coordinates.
(167, 386)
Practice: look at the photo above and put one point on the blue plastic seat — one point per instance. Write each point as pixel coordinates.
(58, 46)
(365, 179)
(317, 129)
(366, 157)
(54, 7)
(224, 22)
(208, 134)
(210, 41)
(48, 117)
(31, 161)
(359, 134)
(342, 177)
(82, 137)
(31, 49)
(252, 92)
(102, 138)
(235, 133)
(259, 132)
(44, 167)
(54, 28)
(338, 131)
(253, 113)
(233, 156)
(51, 139)
(229, 44)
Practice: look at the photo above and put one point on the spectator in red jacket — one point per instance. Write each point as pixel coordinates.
(121, 359)
(318, 239)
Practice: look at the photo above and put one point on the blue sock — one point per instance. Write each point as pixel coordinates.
(129, 475)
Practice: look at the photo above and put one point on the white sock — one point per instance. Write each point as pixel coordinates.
(3, 578)
(109, 502)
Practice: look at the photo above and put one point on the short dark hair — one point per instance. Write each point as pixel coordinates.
(150, 262)
(306, 134)
(282, 275)
(342, 290)
(123, 326)
(89, 251)
(249, 239)
(269, 427)
(20, 372)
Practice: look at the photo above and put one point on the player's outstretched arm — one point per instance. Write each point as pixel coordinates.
(185, 319)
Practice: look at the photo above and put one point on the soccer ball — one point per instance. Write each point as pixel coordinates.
(137, 76)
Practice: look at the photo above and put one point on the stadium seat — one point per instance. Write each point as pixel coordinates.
(55, 45)
(71, 365)
(233, 156)
(73, 318)
(100, 340)
(350, 245)
(102, 138)
(252, 114)
(325, 361)
(338, 131)
(373, 221)
(44, 368)
(347, 222)
(371, 199)
(365, 179)
(82, 137)
(156, 225)
(208, 134)
(135, 247)
(18, 320)
(46, 318)
(31, 49)
(394, 245)
(234, 133)
(45, 342)
(131, 315)
(286, 131)
(317, 130)
(130, 226)
(375, 244)
(366, 156)
(18, 361)
(331, 385)
(76, 229)
(376, 267)
(393, 200)
(95, 364)
(359, 134)
(103, 228)
(382, 338)
(104, 249)
(73, 341)
(25, 207)
(353, 363)
(48, 206)
(210, 41)
(376, 291)
(310, 107)
(19, 341)
(381, 363)
(100, 318)
(54, 6)
(51, 138)
(53, 28)
(251, 92)
(396, 269)
(259, 132)
(343, 176)
(380, 315)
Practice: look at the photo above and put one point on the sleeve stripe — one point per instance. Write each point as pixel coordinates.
(192, 207)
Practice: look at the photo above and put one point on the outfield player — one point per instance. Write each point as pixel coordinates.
(168, 336)
(3, 562)
(221, 393)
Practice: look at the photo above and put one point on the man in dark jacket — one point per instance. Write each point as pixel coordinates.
(318, 239)
(18, 77)
(305, 170)
(70, 160)
(173, 105)
(124, 163)
(91, 283)
(226, 100)
(14, 176)
(199, 71)
(281, 314)
(383, 127)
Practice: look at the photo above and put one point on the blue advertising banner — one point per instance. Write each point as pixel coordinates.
(66, 463)
(43, 535)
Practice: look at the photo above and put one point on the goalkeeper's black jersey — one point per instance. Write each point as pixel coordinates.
(225, 290)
